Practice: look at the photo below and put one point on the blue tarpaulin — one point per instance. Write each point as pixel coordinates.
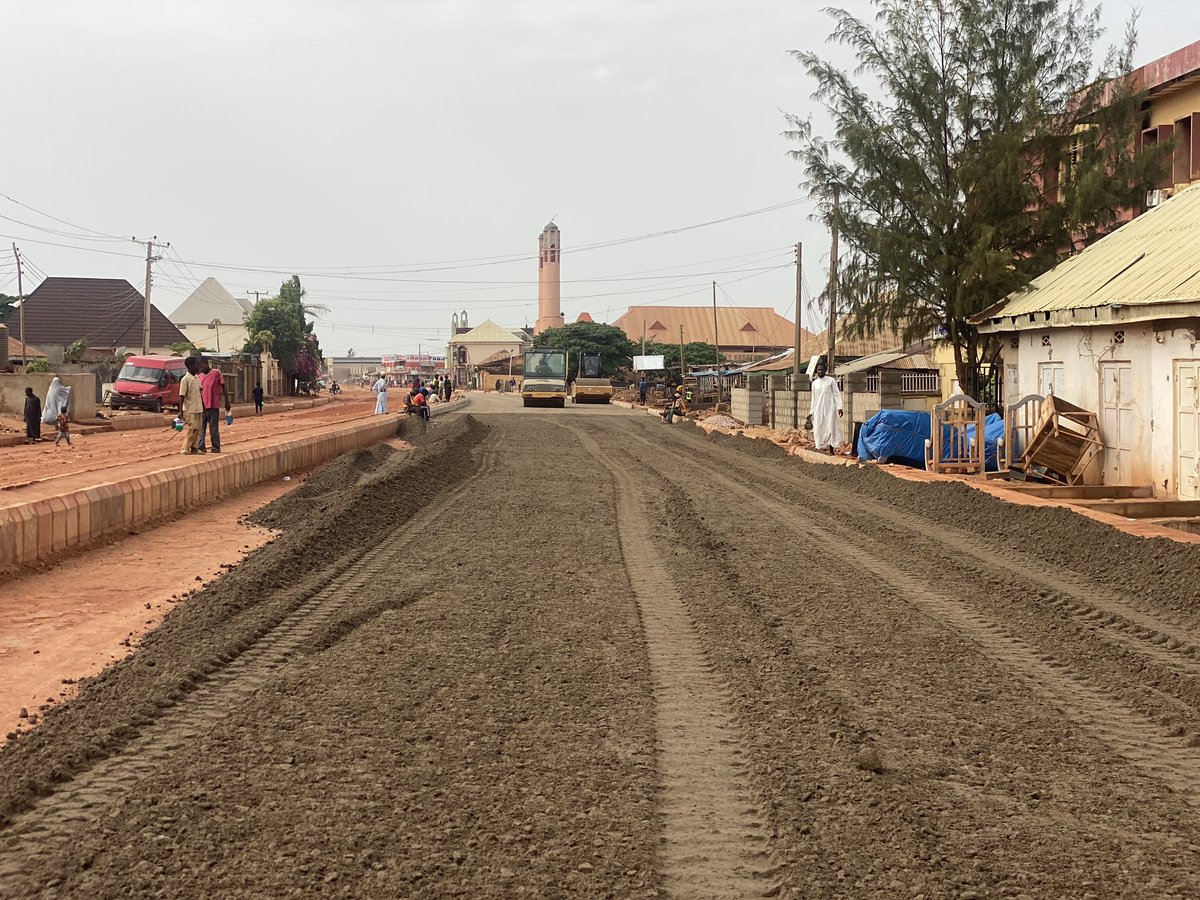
(899, 435)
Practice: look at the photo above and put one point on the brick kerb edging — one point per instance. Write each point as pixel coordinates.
(37, 530)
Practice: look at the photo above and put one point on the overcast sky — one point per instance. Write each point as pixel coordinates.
(359, 141)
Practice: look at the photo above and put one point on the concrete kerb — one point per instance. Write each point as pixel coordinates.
(39, 529)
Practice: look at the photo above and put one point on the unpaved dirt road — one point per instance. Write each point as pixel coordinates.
(580, 653)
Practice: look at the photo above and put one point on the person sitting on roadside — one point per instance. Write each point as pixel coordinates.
(677, 407)
(418, 404)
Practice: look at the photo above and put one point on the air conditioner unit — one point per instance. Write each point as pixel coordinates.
(1153, 198)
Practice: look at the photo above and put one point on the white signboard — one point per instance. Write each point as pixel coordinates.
(647, 363)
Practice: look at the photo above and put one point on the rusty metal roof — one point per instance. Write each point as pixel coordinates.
(1153, 259)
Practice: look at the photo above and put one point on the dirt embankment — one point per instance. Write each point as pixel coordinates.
(215, 626)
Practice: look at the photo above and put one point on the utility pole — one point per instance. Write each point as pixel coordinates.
(151, 259)
(717, 344)
(21, 301)
(799, 328)
(682, 368)
(643, 337)
(833, 284)
(257, 294)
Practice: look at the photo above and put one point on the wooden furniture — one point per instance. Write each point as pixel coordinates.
(1063, 443)
(1020, 420)
(956, 436)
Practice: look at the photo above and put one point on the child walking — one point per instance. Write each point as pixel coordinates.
(63, 425)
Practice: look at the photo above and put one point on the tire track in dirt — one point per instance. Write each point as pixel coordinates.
(1094, 604)
(714, 842)
(1145, 642)
(52, 820)
(1131, 734)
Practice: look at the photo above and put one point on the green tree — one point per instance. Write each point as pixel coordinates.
(697, 353)
(7, 307)
(285, 319)
(973, 148)
(614, 347)
(74, 353)
(183, 348)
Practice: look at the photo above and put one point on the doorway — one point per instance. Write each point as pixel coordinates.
(1116, 421)
(1050, 379)
(1187, 429)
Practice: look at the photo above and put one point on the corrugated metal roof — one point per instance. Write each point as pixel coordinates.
(870, 362)
(744, 326)
(850, 344)
(1153, 259)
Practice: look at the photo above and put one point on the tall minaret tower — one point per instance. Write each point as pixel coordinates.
(549, 306)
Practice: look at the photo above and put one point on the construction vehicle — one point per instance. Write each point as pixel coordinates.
(545, 380)
(590, 384)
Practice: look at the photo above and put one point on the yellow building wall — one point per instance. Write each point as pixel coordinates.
(1176, 105)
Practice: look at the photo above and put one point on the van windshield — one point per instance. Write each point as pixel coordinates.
(144, 374)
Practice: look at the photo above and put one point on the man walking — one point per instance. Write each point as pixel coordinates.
(257, 393)
(212, 393)
(191, 405)
(826, 410)
(642, 388)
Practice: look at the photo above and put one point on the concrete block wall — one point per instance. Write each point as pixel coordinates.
(82, 385)
(746, 405)
(784, 409)
(35, 527)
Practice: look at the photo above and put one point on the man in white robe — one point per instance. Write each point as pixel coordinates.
(826, 410)
(380, 389)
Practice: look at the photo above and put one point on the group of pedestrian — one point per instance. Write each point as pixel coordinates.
(54, 412)
(202, 393)
(441, 389)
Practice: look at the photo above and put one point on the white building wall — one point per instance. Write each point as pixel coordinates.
(1082, 351)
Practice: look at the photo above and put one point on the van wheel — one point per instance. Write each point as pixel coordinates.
(158, 407)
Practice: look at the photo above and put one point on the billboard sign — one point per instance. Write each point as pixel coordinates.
(648, 363)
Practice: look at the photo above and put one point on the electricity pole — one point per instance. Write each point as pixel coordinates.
(256, 294)
(799, 328)
(151, 259)
(21, 301)
(682, 368)
(717, 344)
(833, 284)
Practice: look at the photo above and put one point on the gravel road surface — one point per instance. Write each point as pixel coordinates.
(579, 653)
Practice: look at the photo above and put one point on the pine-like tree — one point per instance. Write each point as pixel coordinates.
(975, 145)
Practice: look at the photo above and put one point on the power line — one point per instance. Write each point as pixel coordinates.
(61, 221)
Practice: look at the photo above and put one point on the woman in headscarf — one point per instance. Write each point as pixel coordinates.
(58, 398)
